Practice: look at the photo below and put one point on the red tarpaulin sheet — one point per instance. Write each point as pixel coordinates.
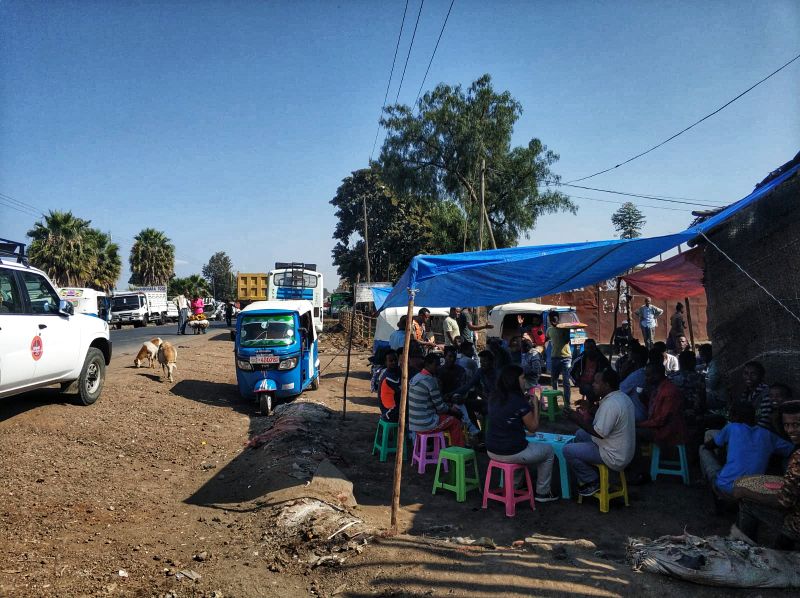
(679, 276)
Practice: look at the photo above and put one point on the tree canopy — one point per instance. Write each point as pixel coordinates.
(398, 228)
(219, 273)
(191, 286)
(436, 151)
(628, 221)
(152, 258)
(72, 253)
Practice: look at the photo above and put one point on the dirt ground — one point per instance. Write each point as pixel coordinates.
(120, 498)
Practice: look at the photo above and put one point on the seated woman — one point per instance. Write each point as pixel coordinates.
(510, 415)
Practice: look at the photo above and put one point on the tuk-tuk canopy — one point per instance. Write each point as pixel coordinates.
(299, 306)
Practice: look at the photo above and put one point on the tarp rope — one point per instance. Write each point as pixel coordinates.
(746, 273)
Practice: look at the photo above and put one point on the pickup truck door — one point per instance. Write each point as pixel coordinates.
(56, 352)
(17, 330)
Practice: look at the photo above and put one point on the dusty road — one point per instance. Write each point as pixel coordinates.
(118, 498)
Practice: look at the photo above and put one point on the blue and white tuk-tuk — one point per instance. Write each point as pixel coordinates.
(276, 351)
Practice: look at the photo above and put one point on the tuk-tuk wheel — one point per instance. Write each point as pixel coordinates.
(265, 403)
(315, 383)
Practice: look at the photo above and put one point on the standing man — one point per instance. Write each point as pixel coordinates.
(677, 328)
(610, 439)
(228, 313)
(648, 320)
(467, 327)
(420, 329)
(183, 312)
(560, 355)
(451, 330)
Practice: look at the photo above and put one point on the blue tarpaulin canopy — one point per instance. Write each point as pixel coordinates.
(503, 275)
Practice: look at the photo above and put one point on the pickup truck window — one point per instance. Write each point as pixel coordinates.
(43, 298)
(10, 300)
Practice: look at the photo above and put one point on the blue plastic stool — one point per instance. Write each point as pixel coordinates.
(668, 467)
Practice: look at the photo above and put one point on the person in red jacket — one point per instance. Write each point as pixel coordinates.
(665, 424)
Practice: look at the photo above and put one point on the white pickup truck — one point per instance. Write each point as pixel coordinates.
(42, 341)
(140, 307)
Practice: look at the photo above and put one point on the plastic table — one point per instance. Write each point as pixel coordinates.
(557, 441)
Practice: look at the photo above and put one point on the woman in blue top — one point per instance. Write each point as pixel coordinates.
(510, 415)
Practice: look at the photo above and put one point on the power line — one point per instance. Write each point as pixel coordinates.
(18, 202)
(682, 131)
(389, 84)
(623, 203)
(8, 204)
(436, 47)
(410, 46)
(642, 196)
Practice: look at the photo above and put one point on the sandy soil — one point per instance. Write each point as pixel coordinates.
(154, 479)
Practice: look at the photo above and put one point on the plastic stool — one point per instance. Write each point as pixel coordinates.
(462, 483)
(386, 440)
(552, 403)
(509, 495)
(658, 467)
(421, 455)
(605, 494)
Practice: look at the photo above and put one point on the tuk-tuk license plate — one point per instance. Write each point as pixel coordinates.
(264, 359)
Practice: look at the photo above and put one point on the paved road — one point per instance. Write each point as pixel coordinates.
(128, 340)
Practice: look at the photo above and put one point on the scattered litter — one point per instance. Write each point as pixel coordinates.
(188, 574)
(122, 573)
(482, 541)
(715, 561)
(339, 589)
(201, 556)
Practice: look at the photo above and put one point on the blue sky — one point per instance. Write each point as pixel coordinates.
(229, 125)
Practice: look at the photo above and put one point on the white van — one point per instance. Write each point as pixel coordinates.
(86, 301)
(389, 318)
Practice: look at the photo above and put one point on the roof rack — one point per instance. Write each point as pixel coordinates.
(13, 249)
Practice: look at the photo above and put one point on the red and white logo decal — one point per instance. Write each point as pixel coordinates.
(37, 348)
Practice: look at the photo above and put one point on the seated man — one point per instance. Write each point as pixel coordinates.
(633, 384)
(586, 366)
(690, 383)
(622, 337)
(427, 412)
(756, 393)
(531, 362)
(779, 394)
(467, 358)
(477, 389)
(389, 387)
(749, 448)
(670, 361)
(665, 424)
(610, 439)
(781, 510)
(451, 377)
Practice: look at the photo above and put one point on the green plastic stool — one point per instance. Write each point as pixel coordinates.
(552, 403)
(386, 440)
(462, 484)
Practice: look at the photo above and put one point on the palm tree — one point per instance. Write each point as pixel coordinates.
(62, 248)
(197, 286)
(152, 258)
(108, 266)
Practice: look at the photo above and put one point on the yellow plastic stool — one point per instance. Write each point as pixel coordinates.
(605, 494)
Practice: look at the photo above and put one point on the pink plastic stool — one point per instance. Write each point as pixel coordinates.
(507, 494)
(422, 456)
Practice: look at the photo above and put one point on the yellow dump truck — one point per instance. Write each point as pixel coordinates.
(251, 287)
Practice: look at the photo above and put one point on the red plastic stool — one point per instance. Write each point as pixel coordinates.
(421, 455)
(507, 494)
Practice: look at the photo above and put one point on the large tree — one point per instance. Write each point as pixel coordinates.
(398, 228)
(108, 263)
(152, 258)
(191, 286)
(72, 253)
(436, 152)
(219, 273)
(628, 221)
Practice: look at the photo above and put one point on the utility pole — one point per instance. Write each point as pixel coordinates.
(366, 237)
(483, 203)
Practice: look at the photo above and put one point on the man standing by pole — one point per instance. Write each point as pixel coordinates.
(183, 312)
(648, 320)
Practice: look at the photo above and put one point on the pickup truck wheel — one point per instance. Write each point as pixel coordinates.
(93, 375)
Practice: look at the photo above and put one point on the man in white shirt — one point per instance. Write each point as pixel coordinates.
(610, 439)
(182, 304)
(671, 364)
(451, 330)
(648, 320)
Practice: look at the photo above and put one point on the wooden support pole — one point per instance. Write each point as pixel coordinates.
(616, 313)
(689, 322)
(349, 349)
(401, 423)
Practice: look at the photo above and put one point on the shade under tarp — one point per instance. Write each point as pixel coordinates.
(504, 275)
(679, 276)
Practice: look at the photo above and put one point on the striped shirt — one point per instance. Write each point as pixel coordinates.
(424, 402)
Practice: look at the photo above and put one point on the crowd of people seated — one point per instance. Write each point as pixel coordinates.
(651, 396)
